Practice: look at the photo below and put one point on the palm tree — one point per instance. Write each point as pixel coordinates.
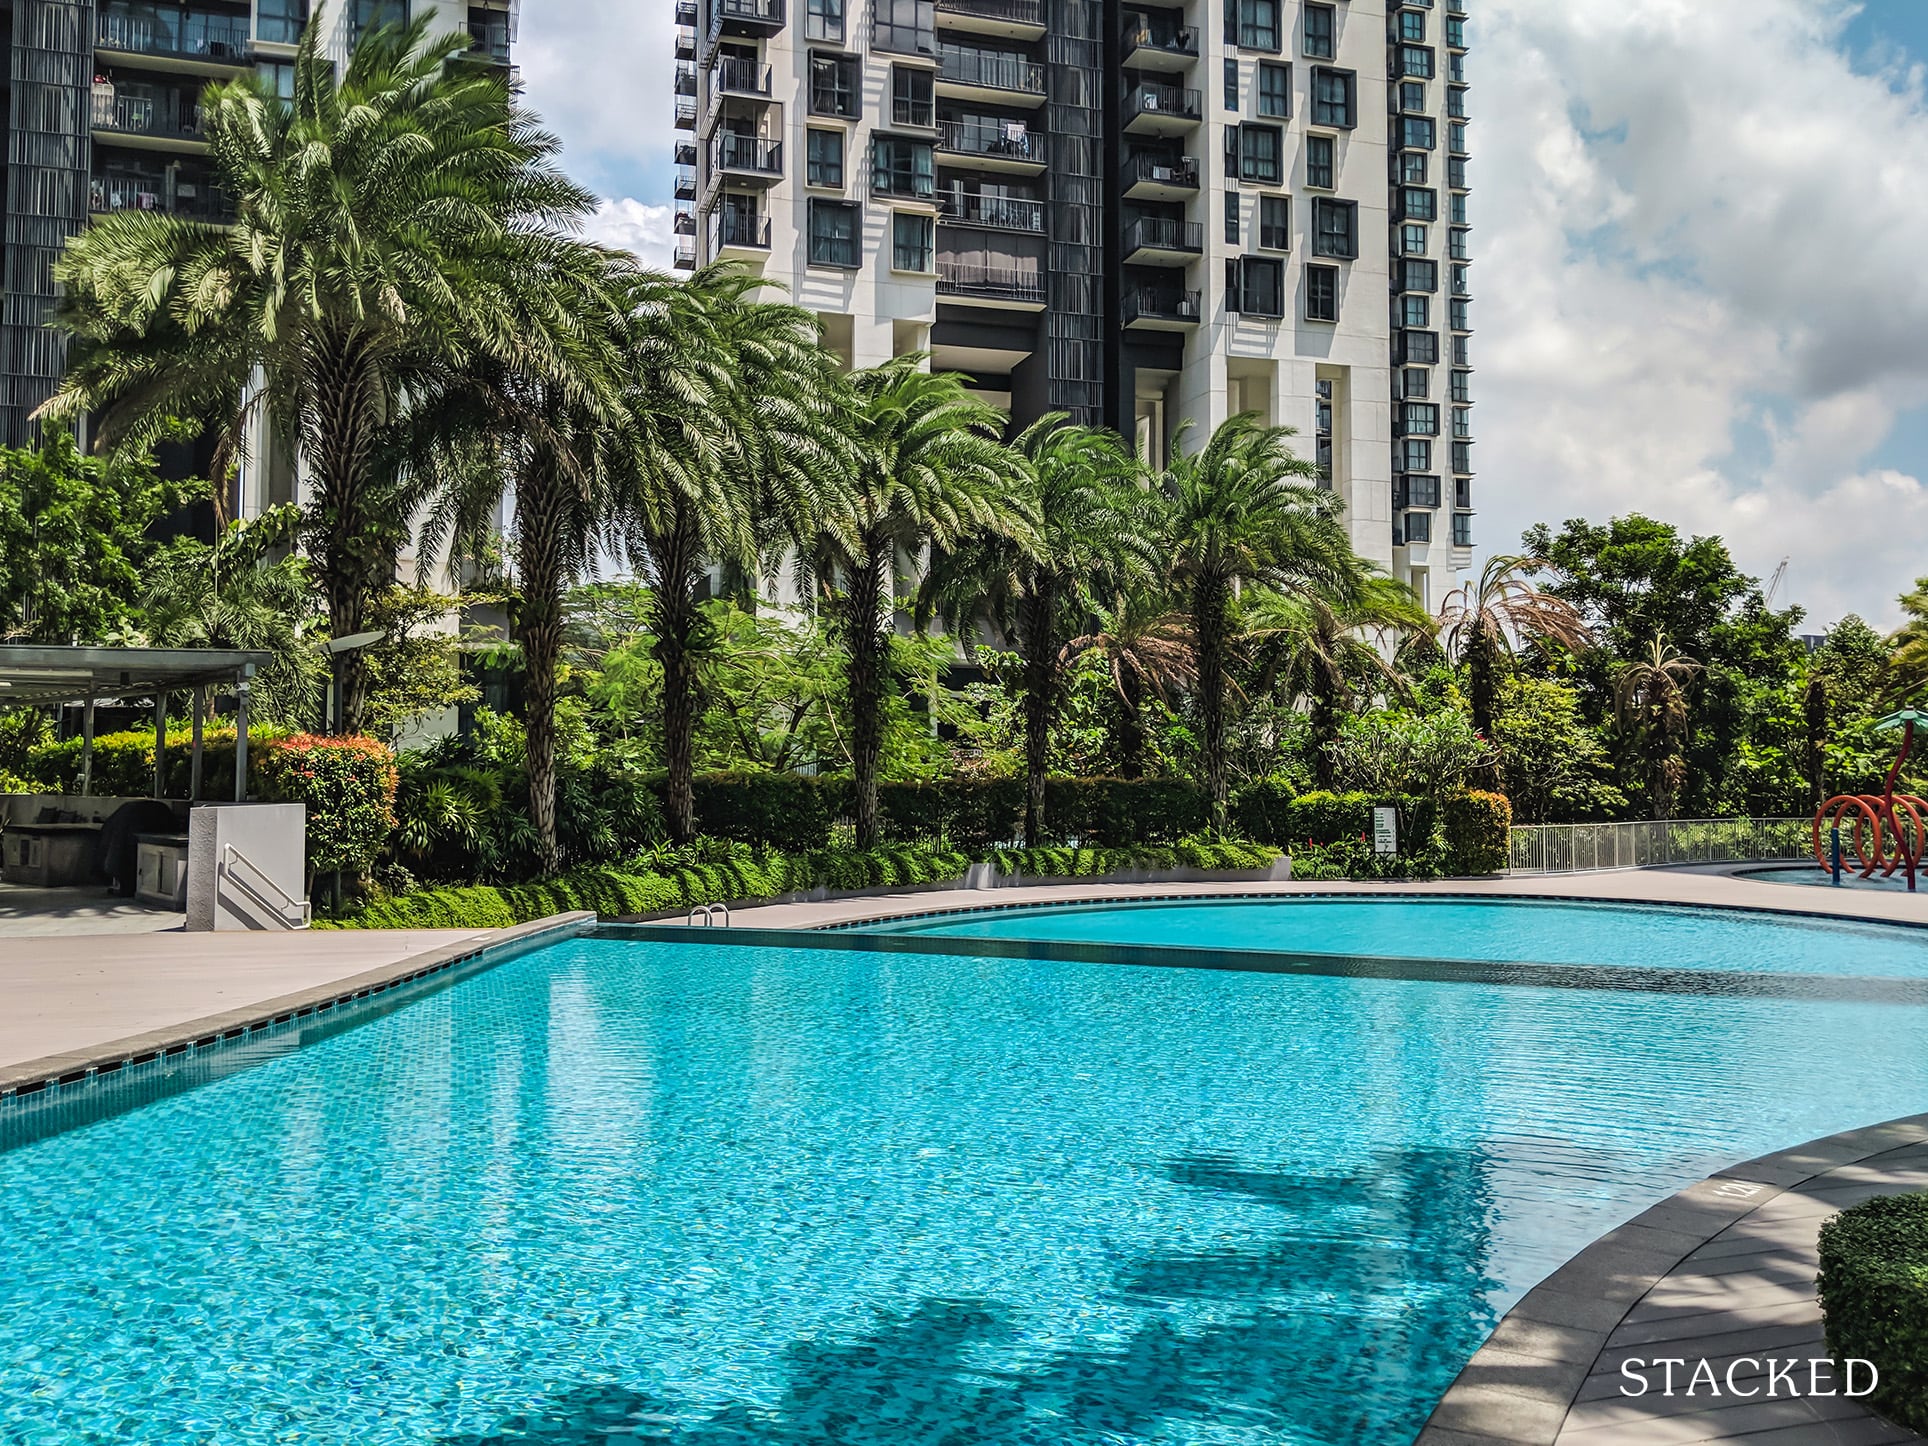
(386, 223)
(1479, 622)
(1244, 510)
(1145, 645)
(730, 444)
(1651, 695)
(1321, 642)
(929, 473)
(1908, 670)
(1092, 533)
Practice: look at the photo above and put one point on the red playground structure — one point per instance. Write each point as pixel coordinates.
(1887, 828)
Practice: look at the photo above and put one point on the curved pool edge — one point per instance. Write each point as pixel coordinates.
(203, 1036)
(1548, 1374)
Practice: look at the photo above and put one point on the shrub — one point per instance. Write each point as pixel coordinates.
(784, 810)
(1081, 863)
(124, 763)
(1118, 812)
(1874, 1296)
(1262, 810)
(970, 814)
(1322, 817)
(348, 787)
(1477, 828)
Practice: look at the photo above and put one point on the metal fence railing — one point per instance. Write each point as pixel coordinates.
(1561, 848)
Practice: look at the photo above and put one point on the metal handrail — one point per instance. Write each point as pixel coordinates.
(285, 904)
(1557, 848)
(707, 913)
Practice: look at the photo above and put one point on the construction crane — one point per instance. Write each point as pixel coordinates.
(1774, 583)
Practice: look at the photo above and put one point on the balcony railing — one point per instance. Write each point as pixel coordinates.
(1140, 34)
(736, 76)
(748, 14)
(685, 222)
(1161, 233)
(730, 152)
(685, 184)
(1011, 12)
(109, 195)
(685, 153)
(1012, 140)
(686, 45)
(729, 228)
(1146, 98)
(685, 114)
(991, 283)
(147, 115)
(489, 39)
(1177, 171)
(990, 70)
(1004, 213)
(1153, 303)
(685, 256)
(686, 12)
(685, 81)
(168, 30)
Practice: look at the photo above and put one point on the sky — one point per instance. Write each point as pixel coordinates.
(1701, 262)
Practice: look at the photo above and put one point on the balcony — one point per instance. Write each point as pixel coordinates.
(731, 75)
(1011, 19)
(685, 114)
(745, 17)
(685, 153)
(1157, 308)
(1159, 240)
(684, 258)
(1150, 41)
(1153, 109)
(685, 222)
(190, 200)
(993, 145)
(685, 184)
(686, 13)
(685, 82)
(966, 73)
(489, 37)
(999, 213)
(996, 286)
(746, 158)
(686, 45)
(169, 122)
(192, 40)
(734, 231)
(1160, 178)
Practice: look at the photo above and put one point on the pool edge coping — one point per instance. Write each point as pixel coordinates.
(72, 1067)
(1593, 1292)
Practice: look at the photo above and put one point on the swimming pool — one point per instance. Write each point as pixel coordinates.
(718, 1193)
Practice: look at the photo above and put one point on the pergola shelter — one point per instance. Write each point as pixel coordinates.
(31, 674)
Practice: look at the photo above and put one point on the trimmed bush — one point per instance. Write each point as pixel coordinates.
(348, 787)
(1477, 828)
(971, 814)
(124, 763)
(1080, 863)
(1874, 1296)
(1118, 812)
(1262, 810)
(784, 810)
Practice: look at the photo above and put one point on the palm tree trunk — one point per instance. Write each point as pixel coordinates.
(675, 620)
(1040, 697)
(1210, 602)
(357, 545)
(869, 657)
(1327, 709)
(1129, 738)
(1815, 711)
(540, 519)
(1482, 667)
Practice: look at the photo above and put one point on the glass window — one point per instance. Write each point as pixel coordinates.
(1417, 382)
(901, 167)
(279, 22)
(372, 13)
(1459, 210)
(1457, 312)
(1412, 168)
(1421, 348)
(1231, 218)
(1275, 223)
(904, 27)
(1419, 527)
(1275, 89)
(913, 99)
(1456, 139)
(1258, 24)
(1412, 95)
(911, 241)
(1415, 454)
(825, 164)
(1416, 203)
(1412, 26)
(1462, 529)
(1256, 286)
(833, 233)
(1419, 275)
(1461, 355)
(1412, 240)
(833, 85)
(1260, 149)
(1416, 132)
(1462, 386)
(278, 77)
(1415, 311)
(823, 20)
(1422, 491)
(1335, 228)
(1420, 419)
(1333, 94)
(1321, 32)
(1415, 61)
(1463, 457)
(1231, 85)
(1320, 162)
(1321, 293)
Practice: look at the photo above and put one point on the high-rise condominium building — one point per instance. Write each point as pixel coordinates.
(1140, 214)
(103, 115)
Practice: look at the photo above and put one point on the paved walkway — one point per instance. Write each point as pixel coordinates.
(27, 913)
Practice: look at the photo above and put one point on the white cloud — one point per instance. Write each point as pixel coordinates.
(600, 72)
(1696, 282)
(629, 225)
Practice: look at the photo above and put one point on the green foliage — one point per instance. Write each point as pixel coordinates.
(1390, 751)
(783, 810)
(1080, 863)
(971, 814)
(1874, 1296)
(1262, 809)
(1476, 828)
(670, 881)
(74, 539)
(124, 763)
(415, 671)
(347, 785)
(1557, 767)
(1119, 812)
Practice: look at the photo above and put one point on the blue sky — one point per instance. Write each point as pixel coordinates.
(1698, 287)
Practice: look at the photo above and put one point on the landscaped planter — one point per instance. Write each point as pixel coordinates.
(986, 876)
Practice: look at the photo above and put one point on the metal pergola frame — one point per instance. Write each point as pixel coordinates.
(35, 675)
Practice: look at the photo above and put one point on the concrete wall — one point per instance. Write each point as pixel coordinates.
(224, 892)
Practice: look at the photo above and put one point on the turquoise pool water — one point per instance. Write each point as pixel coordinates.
(719, 1195)
(1511, 931)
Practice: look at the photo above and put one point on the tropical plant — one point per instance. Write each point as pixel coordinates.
(389, 222)
(929, 472)
(1908, 667)
(1557, 768)
(1394, 752)
(1145, 648)
(1651, 696)
(1091, 534)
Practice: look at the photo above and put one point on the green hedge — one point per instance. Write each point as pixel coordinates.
(1874, 1295)
(1477, 829)
(124, 763)
(347, 788)
(1079, 863)
(675, 883)
(783, 810)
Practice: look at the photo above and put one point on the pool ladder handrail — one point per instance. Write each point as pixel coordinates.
(707, 912)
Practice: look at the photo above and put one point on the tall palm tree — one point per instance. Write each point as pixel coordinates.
(1908, 670)
(929, 473)
(1480, 620)
(386, 222)
(1092, 533)
(1321, 643)
(730, 445)
(1651, 696)
(1145, 645)
(1244, 510)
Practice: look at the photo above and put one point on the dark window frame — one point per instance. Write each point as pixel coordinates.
(853, 258)
(1335, 112)
(1249, 168)
(1275, 230)
(1330, 239)
(1274, 88)
(928, 226)
(845, 72)
(1322, 175)
(1320, 41)
(812, 169)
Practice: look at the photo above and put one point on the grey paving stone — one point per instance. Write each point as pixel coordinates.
(1524, 1336)
(1690, 1325)
(1500, 1414)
